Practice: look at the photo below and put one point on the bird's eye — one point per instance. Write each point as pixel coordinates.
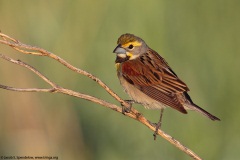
(130, 46)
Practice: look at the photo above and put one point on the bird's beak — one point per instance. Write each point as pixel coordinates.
(119, 50)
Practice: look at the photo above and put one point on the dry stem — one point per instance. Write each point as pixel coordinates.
(27, 49)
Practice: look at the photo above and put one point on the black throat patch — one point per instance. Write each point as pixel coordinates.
(121, 59)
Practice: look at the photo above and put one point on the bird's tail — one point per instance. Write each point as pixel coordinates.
(195, 107)
(204, 112)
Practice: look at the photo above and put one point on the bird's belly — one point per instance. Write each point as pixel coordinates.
(139, 96)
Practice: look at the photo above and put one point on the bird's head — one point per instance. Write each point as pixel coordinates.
(129, 47)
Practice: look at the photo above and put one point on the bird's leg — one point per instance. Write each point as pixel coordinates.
(126, 109)
(158, 124)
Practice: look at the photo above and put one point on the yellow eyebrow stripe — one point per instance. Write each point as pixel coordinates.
(135, 43)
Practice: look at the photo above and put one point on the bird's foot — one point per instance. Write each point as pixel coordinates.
(158, 125)
(127, 109)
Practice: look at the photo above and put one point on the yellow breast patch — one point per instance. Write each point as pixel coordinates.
(117, 65)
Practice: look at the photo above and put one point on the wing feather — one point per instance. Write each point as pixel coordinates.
(151, 74)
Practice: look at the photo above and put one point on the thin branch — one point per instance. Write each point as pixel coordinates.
(41, 52)
(27, 49)
(18, 62)
(26, 89)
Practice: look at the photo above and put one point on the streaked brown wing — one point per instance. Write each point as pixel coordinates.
(151, 74)
(169, 100)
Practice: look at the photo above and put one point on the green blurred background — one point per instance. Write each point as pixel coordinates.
(199, 39)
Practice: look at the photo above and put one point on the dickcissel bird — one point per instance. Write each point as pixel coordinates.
(149, 80)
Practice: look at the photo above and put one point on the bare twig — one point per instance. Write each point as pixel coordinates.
(27, 49)
(41, 52)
